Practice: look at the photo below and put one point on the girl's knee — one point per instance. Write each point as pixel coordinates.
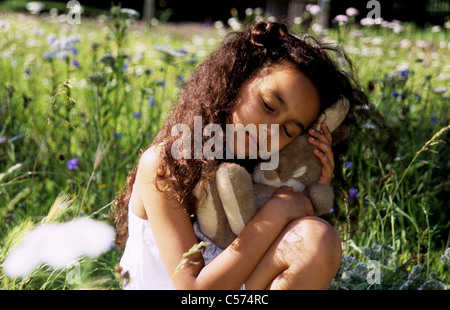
(312, 241)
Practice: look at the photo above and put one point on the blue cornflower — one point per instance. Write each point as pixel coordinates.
(72, 163)
(404, 73)
(27, 71)
(396, 94)
(151, 101)
(125, 66)
(352, 195)
(75, 63)
(348, 164)
(116, 135)
(137, 115)
(434, 119)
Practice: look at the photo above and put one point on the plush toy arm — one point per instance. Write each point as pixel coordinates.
(235, 188)
(322, 198)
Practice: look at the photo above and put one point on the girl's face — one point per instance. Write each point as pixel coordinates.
(279, 94)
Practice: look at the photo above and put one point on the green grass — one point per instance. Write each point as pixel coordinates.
(101, 112)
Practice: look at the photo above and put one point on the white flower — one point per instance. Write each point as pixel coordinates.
(342, 19)
(436, 29)
(439, 90)
(313, 9)
(218, 24)
(130, 13)
(351, 12)
(234, 24)
(248, 11)
(447, 25)
(59, 245)
(4, 26)
(317, 28)
(34, 7)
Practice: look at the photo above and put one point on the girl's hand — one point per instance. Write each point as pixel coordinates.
(322, 142)
(290, 204)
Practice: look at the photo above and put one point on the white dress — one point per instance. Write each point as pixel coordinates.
(142, 260)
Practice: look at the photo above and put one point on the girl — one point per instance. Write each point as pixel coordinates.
(260, 76)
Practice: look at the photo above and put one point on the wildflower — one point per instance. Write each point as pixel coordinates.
(27, 71)
(351, 12)
(341, 19)
(414, 279)
(130, 13)
(125, 66)
(434, 119)
(62, 48)
(4, 26)
(72, 163)
(2, 139)
(34, 7)
(348, 164)
(314, 9)
(445, 258)
(352, 195)
(397, 94)
(117, 135)
(438, 90)
(404, 73)
(59, 245)
(97, 78)
(107, 59)
(151, 101)
(137, 115)
(75, 63)
(432, 284)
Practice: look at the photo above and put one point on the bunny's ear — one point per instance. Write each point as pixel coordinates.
(334, 115)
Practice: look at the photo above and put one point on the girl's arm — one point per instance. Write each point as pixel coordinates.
(174, 234)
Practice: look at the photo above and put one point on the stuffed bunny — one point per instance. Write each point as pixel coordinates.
(233, 196)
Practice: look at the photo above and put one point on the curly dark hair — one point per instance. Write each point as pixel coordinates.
(211, 93)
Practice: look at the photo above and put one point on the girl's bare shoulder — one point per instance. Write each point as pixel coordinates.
(150, 159)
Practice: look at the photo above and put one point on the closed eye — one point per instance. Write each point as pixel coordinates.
(287, 133)
(267, 106)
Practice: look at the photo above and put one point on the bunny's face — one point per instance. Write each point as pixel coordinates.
(298, 167)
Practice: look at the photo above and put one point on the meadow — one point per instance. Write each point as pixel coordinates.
(78, 102)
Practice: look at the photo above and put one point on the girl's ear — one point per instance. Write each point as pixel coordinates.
(334, 115)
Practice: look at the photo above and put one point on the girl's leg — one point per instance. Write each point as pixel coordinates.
(306, 255)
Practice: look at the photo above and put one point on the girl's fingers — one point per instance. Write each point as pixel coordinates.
(324, 137)
(322, 141)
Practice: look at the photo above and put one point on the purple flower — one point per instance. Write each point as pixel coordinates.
(125, 66)
(434, 119)
(352, 195)
(137, 115)
(27, 71)
(348, 164)
(404, 73)
(151, 101)
(2, 139)
(331, 210)
(396, 94)
(75, 63)
(72, 163)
